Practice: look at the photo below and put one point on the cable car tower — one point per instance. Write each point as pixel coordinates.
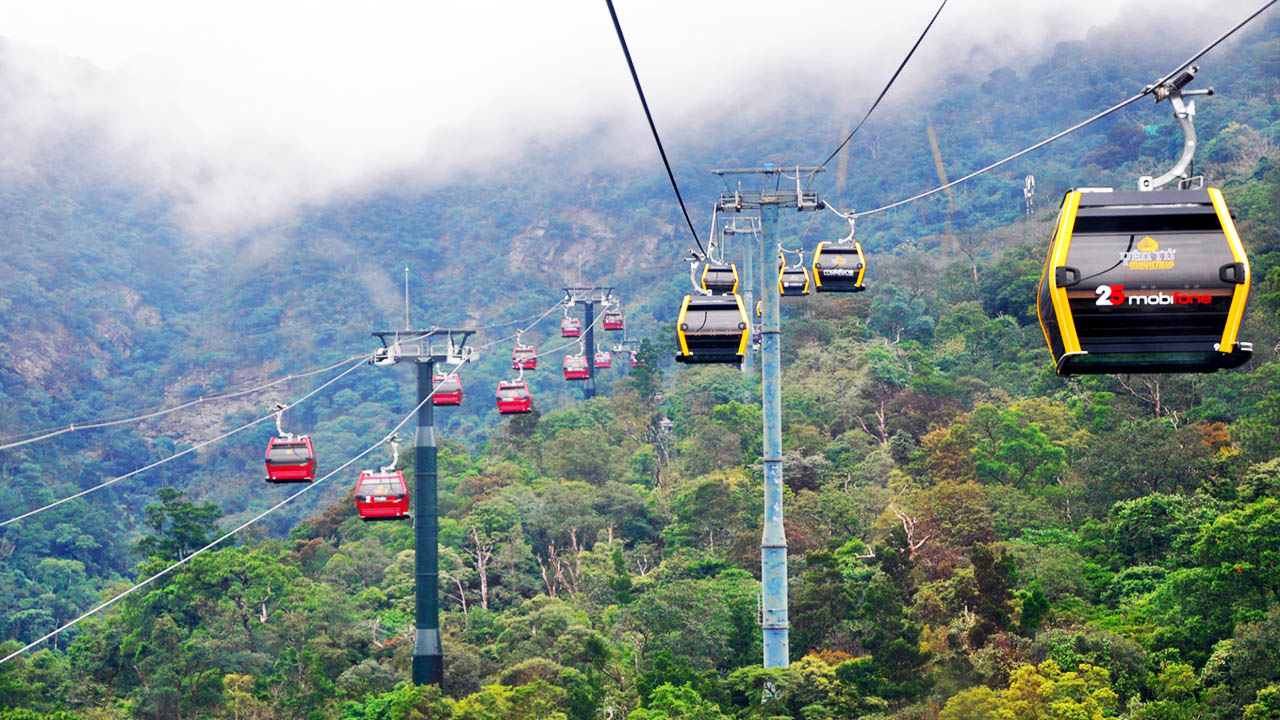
(588, 298)
(425, 348)
(773, 543)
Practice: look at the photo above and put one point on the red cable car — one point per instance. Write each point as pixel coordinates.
(514, 397)
(570, 327)
(613, 320)
(635, 362)
(576, 367)
(448, 390)
(604, 359)
(382, 495)
(290, 459)
(524, 357)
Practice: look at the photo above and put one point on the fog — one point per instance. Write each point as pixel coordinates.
(244, 111)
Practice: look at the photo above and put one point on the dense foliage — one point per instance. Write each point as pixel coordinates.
(971, 537)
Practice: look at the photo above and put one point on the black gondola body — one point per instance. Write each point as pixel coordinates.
(712, 329)
(720, 278)
(793, 280)
(1144, 282)
(839, 267)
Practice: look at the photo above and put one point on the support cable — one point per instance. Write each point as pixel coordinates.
(1210, 46)
(1000, 162)
(92, 424)
(536, 319)
(189, 450)
(522, 330)
(645, 103)
(211, 545)
(883, 92)
(1145, 91)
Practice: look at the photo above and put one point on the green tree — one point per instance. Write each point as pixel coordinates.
(992, 573)
(669, 702)
(1042, 692)
(180, 526)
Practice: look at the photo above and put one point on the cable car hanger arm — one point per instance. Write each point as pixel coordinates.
(1185, 113)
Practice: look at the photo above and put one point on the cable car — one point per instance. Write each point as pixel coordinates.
(448, 390)
(513, 397)
(613, 320)
(524, 357)
(1143, 281)
(635, 361)
(793, 280)
(720, 278)
(712, 329)
(576, 367)
(603, 359)
(290, 459)
(570, 327)
(382, 495)
(839, 267)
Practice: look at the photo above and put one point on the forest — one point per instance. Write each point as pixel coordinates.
(971, 536)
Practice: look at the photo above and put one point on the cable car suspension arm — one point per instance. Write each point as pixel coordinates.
(1186, 114)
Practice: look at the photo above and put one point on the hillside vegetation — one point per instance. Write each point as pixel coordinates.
(971, 537)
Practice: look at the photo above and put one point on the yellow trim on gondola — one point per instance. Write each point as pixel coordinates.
(863, 261)
(783, 268)
(746, 334)
(1241, 294)
(1057, 259)
(684, 309)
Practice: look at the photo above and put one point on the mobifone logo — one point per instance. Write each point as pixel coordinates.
(1112, 295)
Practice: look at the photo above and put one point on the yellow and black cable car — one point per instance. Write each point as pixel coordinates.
(839, 267)
(1144, 282)
(720, 278)
(712, 329)
(793, 280)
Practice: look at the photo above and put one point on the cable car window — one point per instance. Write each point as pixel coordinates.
(380, 486)
(287, 453)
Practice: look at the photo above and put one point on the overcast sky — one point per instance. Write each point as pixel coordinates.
(244, 109)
